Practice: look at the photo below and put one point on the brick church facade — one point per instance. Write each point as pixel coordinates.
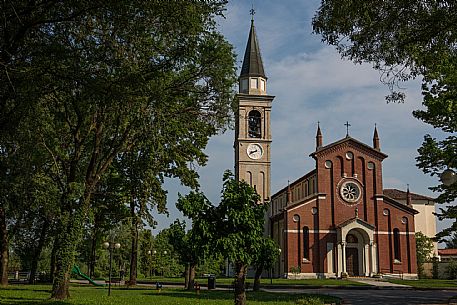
(336, 221)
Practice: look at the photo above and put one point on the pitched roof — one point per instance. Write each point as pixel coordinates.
(358, 220)
(252, 63)
(354, 141)
(401, 195)
(397, 204)
(447, 251)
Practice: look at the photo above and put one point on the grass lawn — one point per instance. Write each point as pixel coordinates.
(427, 283)
(265, 281)
(87, 295)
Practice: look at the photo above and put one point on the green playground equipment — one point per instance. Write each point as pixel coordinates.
(77, 271)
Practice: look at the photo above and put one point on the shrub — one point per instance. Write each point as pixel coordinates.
(452, 270)
(310, 301)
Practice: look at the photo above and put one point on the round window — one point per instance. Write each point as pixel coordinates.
(349, 155)
(385, 212)
(296, 218)
(404, 220)
(328, 164)
(314, 211)
(350, 191)
(370, 165)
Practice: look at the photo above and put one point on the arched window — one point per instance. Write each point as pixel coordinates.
(255, 129)
(306, 243)
(397, 252)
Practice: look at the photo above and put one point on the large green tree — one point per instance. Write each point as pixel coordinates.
(238, 228)
(404, 40)
(195, 244)
(104, 75)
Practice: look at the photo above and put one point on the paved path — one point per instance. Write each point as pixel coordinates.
(381, 296)
(378, 283)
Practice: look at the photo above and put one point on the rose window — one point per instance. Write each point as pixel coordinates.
(350, 192)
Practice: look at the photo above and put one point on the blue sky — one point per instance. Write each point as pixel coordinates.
(312, 83)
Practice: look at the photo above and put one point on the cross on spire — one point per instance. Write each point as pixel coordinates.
(347, 128)
(252, 12)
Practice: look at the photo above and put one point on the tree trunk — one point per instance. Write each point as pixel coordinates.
(38, 250)
(52, 265)
(187, 274)
(3, 249)
(190, 276)
(71, 230)
(63, 263)
(258, 274)
(134, 251)
(92, 258)
(240, 275)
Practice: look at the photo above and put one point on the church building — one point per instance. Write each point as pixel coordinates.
(336, 220)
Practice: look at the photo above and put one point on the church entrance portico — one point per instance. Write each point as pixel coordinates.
(356, 252)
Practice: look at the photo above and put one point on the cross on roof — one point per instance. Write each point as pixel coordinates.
(252, 12)
(347, 128)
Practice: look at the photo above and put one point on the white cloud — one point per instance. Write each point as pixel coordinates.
(312, 83)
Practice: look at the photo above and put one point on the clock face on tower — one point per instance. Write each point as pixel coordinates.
(255, 151)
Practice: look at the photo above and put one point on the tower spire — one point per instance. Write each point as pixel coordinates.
(408, 196)
(252, 62)
(376, 139)
(289, 192)
(318, 137)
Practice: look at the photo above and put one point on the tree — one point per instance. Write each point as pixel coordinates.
(424, 250)
(238, 230)
(266, 257)
(451, 241)
(194, 245)
(181, 242)
(405, 40)
(165, 256)
(106, 74)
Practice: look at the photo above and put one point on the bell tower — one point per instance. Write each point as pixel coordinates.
(252, 121)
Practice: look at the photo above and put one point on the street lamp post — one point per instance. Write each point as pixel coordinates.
(152, 254)
(110, 246)
(165, 252)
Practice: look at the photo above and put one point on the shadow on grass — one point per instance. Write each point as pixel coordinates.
(29, 301)
(226, 295)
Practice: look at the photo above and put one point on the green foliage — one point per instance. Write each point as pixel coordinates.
(427, 283)
(240, 218)
(451, 270)
(295, 270)
(212, 264)
(198, 241)
(98, 83)
(435, 267)
(85, 295)
(310, 301)
(404, 40)
(451, 241)
(424, 250)
(268, 254)
(165, 259)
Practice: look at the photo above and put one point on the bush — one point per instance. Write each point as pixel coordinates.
(310, 301)
(435, 270)
(452, 270)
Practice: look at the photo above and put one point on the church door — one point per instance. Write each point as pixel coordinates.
(352, 261)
